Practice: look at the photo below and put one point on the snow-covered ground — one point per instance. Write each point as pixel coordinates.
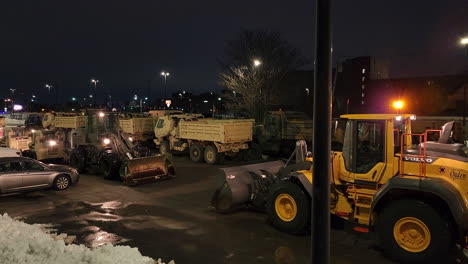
(22, 243)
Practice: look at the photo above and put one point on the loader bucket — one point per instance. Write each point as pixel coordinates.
(146, 170)
(236, 184)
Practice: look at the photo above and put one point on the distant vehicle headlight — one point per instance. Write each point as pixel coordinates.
(52, 143)
(131, 139)
(106, 141)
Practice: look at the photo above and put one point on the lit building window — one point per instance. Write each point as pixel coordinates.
(363, 70)
(363, 78)
(362, 102)
(363, 86)
(362, 94)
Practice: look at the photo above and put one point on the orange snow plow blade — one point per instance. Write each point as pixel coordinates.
(147, 170)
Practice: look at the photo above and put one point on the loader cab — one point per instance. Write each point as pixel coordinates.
(369, 146)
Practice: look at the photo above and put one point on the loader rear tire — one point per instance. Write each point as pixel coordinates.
(211, 155)
(77, 161)
(110, 167)
(196, 153)
(289, 207)
(412, 231)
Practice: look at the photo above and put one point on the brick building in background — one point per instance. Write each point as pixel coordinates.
(363, 86)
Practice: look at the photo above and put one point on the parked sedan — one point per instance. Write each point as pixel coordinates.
(25, 174)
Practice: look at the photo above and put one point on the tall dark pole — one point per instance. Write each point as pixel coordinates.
(320, 236)
(464, 88)
(95, 89)
(165, 86)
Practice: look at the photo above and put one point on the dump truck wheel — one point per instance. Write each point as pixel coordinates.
(414, 232)
(289, 207)
(196, 153)
(211, 155)
(164, 147)
(77, 161)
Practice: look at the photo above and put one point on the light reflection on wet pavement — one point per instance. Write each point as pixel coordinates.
(171, 220)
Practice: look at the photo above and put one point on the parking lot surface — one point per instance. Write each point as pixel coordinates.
(172, 220)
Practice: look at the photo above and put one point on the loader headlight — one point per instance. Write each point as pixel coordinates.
(413, 117)
(106, 141)
(52, 143)
(398, 118)
(33, 130)
(131, 139)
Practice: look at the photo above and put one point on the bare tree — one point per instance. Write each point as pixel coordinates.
(256, 63)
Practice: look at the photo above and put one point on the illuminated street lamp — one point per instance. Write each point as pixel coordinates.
(464, 41)
(257, 62)
(48, 87)
(165, 74)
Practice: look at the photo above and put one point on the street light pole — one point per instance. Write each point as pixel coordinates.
(94, 81)
(165, 74)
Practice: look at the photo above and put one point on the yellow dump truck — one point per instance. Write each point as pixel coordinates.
(204, 139)
(139, 128)
(63, 120)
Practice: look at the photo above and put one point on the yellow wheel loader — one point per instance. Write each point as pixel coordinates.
(103, 144)
(413, 197)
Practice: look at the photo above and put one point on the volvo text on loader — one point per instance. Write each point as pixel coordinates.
(414, 197)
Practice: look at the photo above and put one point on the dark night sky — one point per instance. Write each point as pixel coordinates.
(124, 43)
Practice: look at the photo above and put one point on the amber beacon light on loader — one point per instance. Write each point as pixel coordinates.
(410, 192)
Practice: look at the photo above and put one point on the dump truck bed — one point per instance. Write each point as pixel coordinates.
(222, 131)
(70, 121)
(137, 125)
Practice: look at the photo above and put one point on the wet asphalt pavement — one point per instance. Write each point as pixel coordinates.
(172, 220)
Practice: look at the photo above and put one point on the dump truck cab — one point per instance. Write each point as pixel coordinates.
(167, 125)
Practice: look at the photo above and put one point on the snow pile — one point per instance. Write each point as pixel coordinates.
(27, 244)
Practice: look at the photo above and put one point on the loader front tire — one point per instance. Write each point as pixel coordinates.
(211, 155)
(289, 207)
(196, 153)
(412, 231)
